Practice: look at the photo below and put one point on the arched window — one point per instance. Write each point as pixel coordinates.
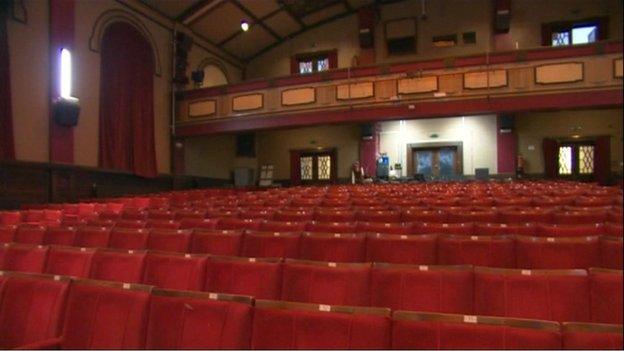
(127, 101)
(213, 76)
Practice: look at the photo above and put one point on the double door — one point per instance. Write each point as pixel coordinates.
(436, 163)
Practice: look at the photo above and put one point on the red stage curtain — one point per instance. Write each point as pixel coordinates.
(602, 159)
(6, 112)
(126, 102)
(295, 167)
(550, 148)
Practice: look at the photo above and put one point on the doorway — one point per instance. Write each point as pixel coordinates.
(435, 162)
(317, 166)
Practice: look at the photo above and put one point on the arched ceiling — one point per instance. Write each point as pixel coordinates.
(271, 21)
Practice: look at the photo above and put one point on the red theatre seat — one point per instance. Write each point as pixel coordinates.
(128, 238)
(558, 295)
(327, 282)
(413, 330)
(589, 336)
(10, 217)
(606, 295)
(23, 258)
(271, 244)
(559, 230)
(103, 315)
(445, 289)
(171, 240)
(405, 249)
(134, 214)
(175, 271)
(557, 253)
(198, 223)
(379, 216)
(528, 229)
(92, 237)
(29, 234)
(31, 309)
(526, 215)
(217, 242)
(384, 228)
(274, 226)
(331, 227)
(261, 278)
(293, 216)
(287, 325)
(444, 228)
(6, 233)
(325, 215)
(196, 320)
(71, 261)
(118, 265)
(611, 252)
(257, 214)
(579, 217)
(161, 215)
(235, 223)
(60, 236)
(162, 224)
(472, 216)
(334, 247)
(130, 224)
(489, 251)
(614, 229)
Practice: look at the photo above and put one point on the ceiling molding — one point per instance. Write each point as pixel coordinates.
(198, 10)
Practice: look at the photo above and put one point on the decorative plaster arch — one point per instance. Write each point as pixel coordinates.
(112, 16)
(211, 61)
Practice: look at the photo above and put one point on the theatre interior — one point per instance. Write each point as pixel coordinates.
(311, 174)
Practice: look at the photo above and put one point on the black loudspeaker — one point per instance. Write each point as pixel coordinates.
(65, 111)
(501, 23)
(506, 124)
(246, 145)
(366, 38)
(368, 131)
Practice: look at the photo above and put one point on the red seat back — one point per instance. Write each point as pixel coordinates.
(171, 240)
(606, 295)
(261, 278)
(327, 283)
(611, 252)
(384, 228)
(557, 253)
(423, 288)
(7, 232)
(271, 244)
(195, 320)
(23, 258)
(331, 227)
(444, 228)
(118, 265)
(217, 242)
(71, 261)
(175, 271)
(334, 247)
(92, 237)
(29, 234)
(528, 229)
(128, 238)
(60, 236)
(489, 251)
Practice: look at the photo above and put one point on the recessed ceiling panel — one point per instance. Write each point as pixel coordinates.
(282, 23)
(260, 8)
(171, 9)
(248, 43)
(324, 14)
(359, 3)
(220, 23)
(305, 7)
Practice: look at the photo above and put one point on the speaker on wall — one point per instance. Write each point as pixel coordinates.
(502, 16)
(368, 131)
(65, 111)
(506, 123)
(246, 145)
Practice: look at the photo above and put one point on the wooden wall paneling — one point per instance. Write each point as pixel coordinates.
(248, 102)
(598, 70)
(385, 89)
(417, 85)
(360, 90)
(451, 83)
(273, 100)
(202, 108)
(617, 68)
(557, 73)
(298, 96)
(485, 79)
(326, 94)
(521, 78)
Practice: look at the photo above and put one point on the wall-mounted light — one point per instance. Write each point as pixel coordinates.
(66, 74)
(244, 25)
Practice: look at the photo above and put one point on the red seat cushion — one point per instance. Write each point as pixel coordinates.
(473, 216)
(261, 278)
(198, 223)
(335, 247)
(423, 288)
(327, 283)
(606, 296)
(175, 271)
(305, 327)
(271, 244)
(118, 265)
(406, 249)
(489, 251)
(192, 320)
(171, 240)
(31, 309)
(561, 295)
(217, 242)
(105, 315)
(437, 331)
(71, 261)
(162, 224)
(419, 216)
(10, 217)
(579, 217)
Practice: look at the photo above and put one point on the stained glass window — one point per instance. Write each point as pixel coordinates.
(322, 64)
(305, 67)
(565, 160)
(306, 168)
(560, 38)
(586, 159)
(324, 167)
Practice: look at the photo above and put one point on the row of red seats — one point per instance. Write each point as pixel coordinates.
(484, 250)
(560, 295)
(89, 314)
(514, 214)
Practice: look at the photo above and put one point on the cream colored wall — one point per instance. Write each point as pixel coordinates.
(477, 134)
(198, 54)
(274, 146)
(214, 156)
(29, 53)
(443, 17)
(533, 127)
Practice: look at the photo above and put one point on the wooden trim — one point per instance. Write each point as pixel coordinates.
(276, 260)
(515, 271)
(382, 265)
(291, 261)
(481, 238)
(36, 276)
(535, 68)
(349, 84)
(475, 319)
(300, 306)
(614, 68)
(192, 116)
(406, 237)
(222, 232)
(605, 271)
(591, 327)
(487, 72)
(249, 109)
(437, 88)
(334, 235)
(115, 285)
(579, 239)
(244, 299)
(273, 234)
(297, 104)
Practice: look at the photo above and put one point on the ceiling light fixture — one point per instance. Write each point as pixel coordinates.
(244, 25)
